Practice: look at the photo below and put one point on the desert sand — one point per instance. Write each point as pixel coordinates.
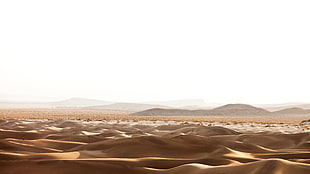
(152, 147)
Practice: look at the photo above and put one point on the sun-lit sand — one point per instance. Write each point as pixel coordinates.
(150, 146)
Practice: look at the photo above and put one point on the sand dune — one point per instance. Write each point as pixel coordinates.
(64, 146)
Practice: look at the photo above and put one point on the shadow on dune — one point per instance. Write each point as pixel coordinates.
(82, 147)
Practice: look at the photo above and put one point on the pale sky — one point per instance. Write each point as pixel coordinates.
(220, 51)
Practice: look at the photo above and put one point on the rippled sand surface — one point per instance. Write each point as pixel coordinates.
(147, 147)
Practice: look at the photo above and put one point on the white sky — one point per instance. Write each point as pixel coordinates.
(220, 51)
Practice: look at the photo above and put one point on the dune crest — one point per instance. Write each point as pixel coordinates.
(64, 146)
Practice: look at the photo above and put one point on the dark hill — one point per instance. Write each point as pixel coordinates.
(292, 111)
(239, 109)
(229, 110)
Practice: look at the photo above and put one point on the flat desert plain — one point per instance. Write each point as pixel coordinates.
(35, 143)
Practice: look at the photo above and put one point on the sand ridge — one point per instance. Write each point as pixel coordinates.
(66, 146)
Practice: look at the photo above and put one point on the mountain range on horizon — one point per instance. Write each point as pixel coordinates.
(225, 110)
(94, 103)
(186, 104)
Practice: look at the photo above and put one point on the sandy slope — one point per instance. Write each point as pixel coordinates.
(60, 146)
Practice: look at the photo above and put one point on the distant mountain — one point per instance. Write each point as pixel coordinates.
(127, 106)
(280, 106)
(79, 102)
(72, 102)
(226, 110)
(293, 111)
(239, 109)
(172, 107)
(303, 106)
(170, 112)
(13, 104)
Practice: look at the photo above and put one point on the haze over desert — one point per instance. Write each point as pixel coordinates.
(154, 87)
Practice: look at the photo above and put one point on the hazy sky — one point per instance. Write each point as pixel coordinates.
(220, 51)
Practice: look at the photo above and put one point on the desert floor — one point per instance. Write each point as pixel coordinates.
(153, 145)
